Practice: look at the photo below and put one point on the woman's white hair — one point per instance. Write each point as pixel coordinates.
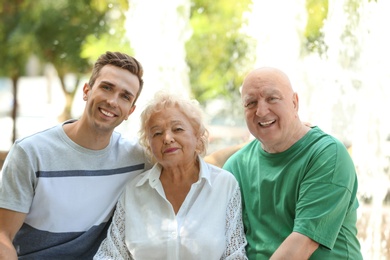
(189, 107)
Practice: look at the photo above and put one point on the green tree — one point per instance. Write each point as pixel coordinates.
(218, 53)
(317, 12)
(16, 41)
(351, 50)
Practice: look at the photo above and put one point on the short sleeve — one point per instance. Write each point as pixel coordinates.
(17, 181)
(326, 196)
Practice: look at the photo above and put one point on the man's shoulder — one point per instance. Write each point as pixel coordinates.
(244, 155)
(324, 139)
(37, 138)
(127, 143)
(124, 140)
(130, 149)
(247, 149)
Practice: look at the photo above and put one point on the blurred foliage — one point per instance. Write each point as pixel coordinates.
(16, 39)
(351, 49)
(67, 25)
(219, 53)
(62, 31)
(68, 34)
(113, 39)
(317, 12)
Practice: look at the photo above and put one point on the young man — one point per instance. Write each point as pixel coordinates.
(298, 183)
(58, 188)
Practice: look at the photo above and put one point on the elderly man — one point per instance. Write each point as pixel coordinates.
(298, 183)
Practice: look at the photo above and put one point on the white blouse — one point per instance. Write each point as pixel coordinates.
(207, 226)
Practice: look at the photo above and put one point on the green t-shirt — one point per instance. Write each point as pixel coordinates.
(309, 188)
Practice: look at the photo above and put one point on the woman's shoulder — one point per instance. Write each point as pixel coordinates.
(221, 175)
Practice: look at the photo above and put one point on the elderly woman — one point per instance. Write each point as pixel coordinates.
(183, 208)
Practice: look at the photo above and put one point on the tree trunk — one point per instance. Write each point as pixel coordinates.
(15, 106)
(69, 97)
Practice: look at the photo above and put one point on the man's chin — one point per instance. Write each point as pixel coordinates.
(106, 126)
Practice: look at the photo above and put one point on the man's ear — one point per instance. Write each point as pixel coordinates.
(130, 111)
(86, 89)
(296, 101)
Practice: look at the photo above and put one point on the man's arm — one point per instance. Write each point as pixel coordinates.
(10, 223)
(295, 246)
(218, 158)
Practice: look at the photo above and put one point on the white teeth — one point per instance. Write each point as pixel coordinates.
(107, 113)
(266, 123)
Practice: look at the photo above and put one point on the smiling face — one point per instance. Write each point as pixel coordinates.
(271, 108)
(110, 100)
(171, 137)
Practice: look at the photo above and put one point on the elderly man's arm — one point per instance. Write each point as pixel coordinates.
(219, 157)
(10, 223)
(295, 246)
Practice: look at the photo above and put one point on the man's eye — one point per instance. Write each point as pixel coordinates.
(272, 99)
(250, 104)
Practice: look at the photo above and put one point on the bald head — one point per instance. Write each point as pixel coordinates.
(267, 76)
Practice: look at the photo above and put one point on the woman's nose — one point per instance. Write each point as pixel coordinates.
(168, 138)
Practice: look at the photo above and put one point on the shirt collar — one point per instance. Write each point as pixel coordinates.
(204, 171)
(153, 175)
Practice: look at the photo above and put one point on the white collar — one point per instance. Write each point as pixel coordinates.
(153, 175)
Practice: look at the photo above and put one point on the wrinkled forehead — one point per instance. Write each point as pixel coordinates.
(265, 80)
